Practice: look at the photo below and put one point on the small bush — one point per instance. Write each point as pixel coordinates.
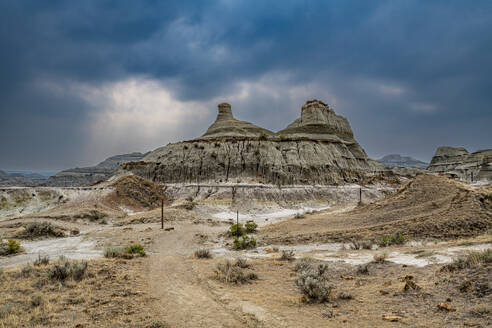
(365, 244)
(26, 270)
(136, 249)
(203, 254)
(213, 155)
(244, 243)
(393, 239)
(242, 263)
(36, 300)
(96, 216)
(363, 269)
(470, 260)
(42, 260)
(250, 226)
(42, 229)
(287, 255)
(13, 246)
(66, 269)
(190, 198)
(236, 230)
(282, 137)
(262, 136)
(313, 283)
(232, 273)
(299, 216)
(380, 258)
(112, 252)
(303, 263)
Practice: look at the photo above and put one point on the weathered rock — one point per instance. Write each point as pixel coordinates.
(317, 148)
(89, 175)
(459, 163)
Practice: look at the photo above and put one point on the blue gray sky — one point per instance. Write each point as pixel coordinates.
(83, 80)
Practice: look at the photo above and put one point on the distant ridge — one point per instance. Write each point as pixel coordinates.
(396, 160)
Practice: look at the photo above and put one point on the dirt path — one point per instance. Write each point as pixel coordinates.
(180, 294)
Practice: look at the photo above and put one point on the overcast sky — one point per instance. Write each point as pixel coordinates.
(84, 80)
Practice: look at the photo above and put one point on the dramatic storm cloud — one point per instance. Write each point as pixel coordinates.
(83, 80)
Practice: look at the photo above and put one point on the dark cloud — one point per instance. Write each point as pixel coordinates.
(409, 75)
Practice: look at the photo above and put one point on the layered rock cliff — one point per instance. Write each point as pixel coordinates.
(459, 163)
(317, 148)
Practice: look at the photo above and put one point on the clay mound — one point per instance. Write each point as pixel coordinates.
(136, 193)
(430, 206)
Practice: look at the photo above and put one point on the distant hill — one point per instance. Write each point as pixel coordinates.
(21, 178)
(396, 160)
(85, 176)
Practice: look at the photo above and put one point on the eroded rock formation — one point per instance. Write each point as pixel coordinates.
(459, 163)
(317, 148)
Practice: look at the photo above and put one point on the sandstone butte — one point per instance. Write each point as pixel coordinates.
(317, 148)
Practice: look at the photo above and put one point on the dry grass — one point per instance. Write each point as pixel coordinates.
(233, 273)
(108, 294)
(473, 259)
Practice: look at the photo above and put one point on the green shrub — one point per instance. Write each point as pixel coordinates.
(13, 246)
(213, 155)
(282, 137)
(393, 239)
(244, 243)
(136, 249)
(250, 226)
(262, 136)
(236, 230)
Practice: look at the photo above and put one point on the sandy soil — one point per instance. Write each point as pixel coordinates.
(171, 288)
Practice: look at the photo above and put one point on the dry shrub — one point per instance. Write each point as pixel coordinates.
(313, 283)
(65, 269)
(42, 229)
(287, 255)
(232, 273)
(472, 259)
(203, 253)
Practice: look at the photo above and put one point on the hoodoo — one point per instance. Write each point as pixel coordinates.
(317, 148)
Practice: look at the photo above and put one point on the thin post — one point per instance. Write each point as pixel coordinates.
(162, 213)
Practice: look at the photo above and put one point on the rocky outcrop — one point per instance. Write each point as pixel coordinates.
(395, 160)
(459, 163)
(317, 148)
(90, 175)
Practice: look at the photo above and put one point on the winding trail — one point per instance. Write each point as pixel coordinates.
(181, 296)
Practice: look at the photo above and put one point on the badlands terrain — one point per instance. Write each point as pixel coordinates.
(330, 238)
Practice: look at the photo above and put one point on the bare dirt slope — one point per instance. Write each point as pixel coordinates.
(427, 207)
